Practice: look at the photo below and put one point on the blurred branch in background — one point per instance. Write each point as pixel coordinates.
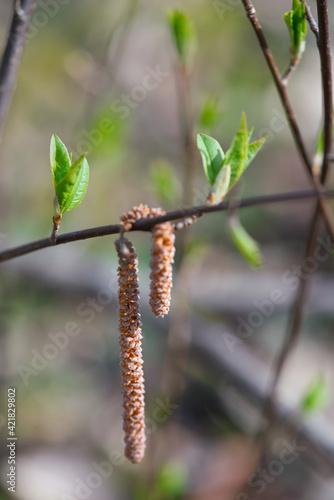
(12, 55)
(245, 374)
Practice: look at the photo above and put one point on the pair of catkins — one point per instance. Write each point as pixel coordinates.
(129, 318)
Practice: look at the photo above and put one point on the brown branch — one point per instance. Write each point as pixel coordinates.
(326, 71)
(324, 45)
(323, 207)
(282, 91)
(297, 311)
(311, 21)
(281, 88)
(148, 224)
(12, 54)
(293, 332)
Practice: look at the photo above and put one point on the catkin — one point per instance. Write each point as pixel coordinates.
(161, 265)
(131, 352)
(138, 213)
(162, 256)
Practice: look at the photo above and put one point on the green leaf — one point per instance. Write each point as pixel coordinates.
(183, 32)
(253, 149)
(221, 185)
(316, 396)
(73, 186)
(288, 21)
(212, 156)
(236, 156)
(163, 181)
(172, 480)
(210, 114)
(237, 159)
(297, 27)
(244, 243)
(59, 158)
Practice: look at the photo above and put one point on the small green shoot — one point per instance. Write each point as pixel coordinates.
(295, 20)
(183, 33)
(70, 180)
(247, 247)
(163, 181)
(316, 396)
(224, 170)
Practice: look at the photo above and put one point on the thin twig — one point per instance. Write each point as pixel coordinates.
(293, 332)
(288, 72)
(12, 54)
(324, 45)
(311, 21)
(326, 71)
(148, 224)
(297, 311)
(55, 228)
(282, 91)
(322, 205)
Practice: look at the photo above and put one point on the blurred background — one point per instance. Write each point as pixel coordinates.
(208, 365)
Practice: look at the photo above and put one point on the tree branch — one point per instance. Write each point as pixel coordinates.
(311, 21)
(282, 91)
(326, 72)
(281, 88)
(293, 332)
(324, 45)
(12, 54)
(148, 224)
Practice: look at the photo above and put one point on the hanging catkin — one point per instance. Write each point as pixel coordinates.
(131, 352)
(162, 256)
(161, 265)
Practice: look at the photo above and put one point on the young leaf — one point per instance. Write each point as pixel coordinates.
(297, 27)
(253, 149)
(73, 186)
(316, 396)
(212, 156)
(220, 187)
(210, 114)
(183, 33)
(59, 158)
(236, 156)
(244, 243)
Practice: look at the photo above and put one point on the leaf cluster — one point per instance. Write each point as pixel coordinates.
(70, 180)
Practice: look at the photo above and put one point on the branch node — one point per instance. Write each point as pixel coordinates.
(55, 228)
